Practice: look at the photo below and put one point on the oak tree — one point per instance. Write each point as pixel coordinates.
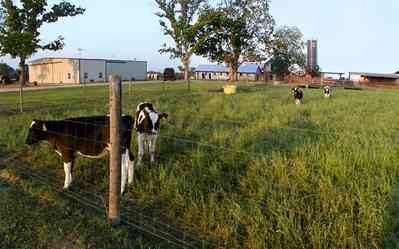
(178, 19)
(236, 31)
(288, 50)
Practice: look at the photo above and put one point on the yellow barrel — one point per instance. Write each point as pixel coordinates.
(230, 89)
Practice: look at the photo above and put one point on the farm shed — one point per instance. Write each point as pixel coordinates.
(212, 72)
(374, 79)
(248, 71)
(79, 70)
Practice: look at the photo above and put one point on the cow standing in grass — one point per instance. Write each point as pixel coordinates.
(327, 91)
(147, 122)
(85, 136)
(298, 95)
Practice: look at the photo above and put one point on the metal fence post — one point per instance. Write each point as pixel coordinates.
(115, 155)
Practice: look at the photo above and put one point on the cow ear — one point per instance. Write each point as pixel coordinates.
(37, 123)
(34, 121)
(163, 115)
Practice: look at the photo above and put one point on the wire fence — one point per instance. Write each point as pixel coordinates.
(132, 217)
(177, 235)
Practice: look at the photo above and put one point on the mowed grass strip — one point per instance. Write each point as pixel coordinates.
(252, 169)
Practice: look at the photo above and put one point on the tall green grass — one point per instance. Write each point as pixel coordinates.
(252, 169)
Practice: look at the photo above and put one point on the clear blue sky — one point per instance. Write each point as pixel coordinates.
(353, 35)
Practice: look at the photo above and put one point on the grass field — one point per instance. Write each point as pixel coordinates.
(252, 170)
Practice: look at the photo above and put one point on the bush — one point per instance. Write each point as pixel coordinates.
(7, 74)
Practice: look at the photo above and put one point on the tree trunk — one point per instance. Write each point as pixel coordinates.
(186, 67)
(233, 72)
(22, 80)
(265, 75)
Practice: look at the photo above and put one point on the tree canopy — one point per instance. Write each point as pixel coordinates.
(234, 32)
(19, 34)
(6, 73)
(314, 71)
(288, 50)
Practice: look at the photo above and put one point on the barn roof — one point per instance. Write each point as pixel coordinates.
(41, 60)
(377, 75)
(249, 68)
(212, 68)
(245, 68)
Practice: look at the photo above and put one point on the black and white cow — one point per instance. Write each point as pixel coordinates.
(298, 95)
(85, 136)
(327, 91)
(147, 122)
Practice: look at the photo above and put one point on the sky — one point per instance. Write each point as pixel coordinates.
(353, 35)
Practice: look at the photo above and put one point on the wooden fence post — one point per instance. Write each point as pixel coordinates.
(115, 155)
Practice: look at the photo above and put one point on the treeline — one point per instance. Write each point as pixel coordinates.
(230, 32)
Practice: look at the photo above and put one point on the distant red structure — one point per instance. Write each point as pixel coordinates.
(169, 74)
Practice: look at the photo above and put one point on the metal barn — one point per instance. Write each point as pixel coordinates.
(80, 70)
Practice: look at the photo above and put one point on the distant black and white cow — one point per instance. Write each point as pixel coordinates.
(147, 122)
(327, 91)
(85, 136)
(298, 95)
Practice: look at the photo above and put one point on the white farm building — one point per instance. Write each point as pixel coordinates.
(247, 71)
(79, 70)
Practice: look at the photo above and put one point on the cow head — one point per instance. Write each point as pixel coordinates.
(327, 90)
(298, 95)
(147, 119)
(37, 132)
(297, 92)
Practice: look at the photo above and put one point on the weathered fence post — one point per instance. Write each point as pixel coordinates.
(115, 155)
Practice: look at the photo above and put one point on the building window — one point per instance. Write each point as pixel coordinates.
(85, 75)
(69, 76)
(100, 75)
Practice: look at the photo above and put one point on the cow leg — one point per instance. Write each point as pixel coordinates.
(123, 172)
(130, 167)
(140, 142)
(68, 175)
(152, 143)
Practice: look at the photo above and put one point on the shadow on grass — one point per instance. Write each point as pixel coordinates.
(299, 131)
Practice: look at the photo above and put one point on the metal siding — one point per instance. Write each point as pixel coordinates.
(128, 69)
(92, 68)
